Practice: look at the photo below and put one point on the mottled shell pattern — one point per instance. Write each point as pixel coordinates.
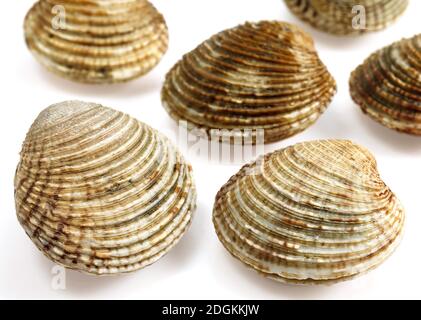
(98, 191)
(96, 41)
(313, 213)
(387, 86)
(264, 75)
(343, 17)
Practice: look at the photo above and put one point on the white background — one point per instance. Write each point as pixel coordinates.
(199, 267)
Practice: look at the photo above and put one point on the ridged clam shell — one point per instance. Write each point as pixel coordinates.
(100, 42)
(313, 213)
(387, 86)
(337, 16)
(101, 192)
(264, 75)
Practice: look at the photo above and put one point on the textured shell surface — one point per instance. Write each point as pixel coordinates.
(256, 76)
(342, 17)
(101, 192)
(96, 41)
(387, 86)
(313, 213)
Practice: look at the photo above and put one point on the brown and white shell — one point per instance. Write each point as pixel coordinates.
(96, 41)
(387, 86)
(348, 17)
(101, 192)
(313, 213)
(256, 76)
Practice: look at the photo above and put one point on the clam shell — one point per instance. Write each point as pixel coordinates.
(337, 16)
(313, 213)
(264, 75)
(387, 86)
(101, 192)
(98, 41)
